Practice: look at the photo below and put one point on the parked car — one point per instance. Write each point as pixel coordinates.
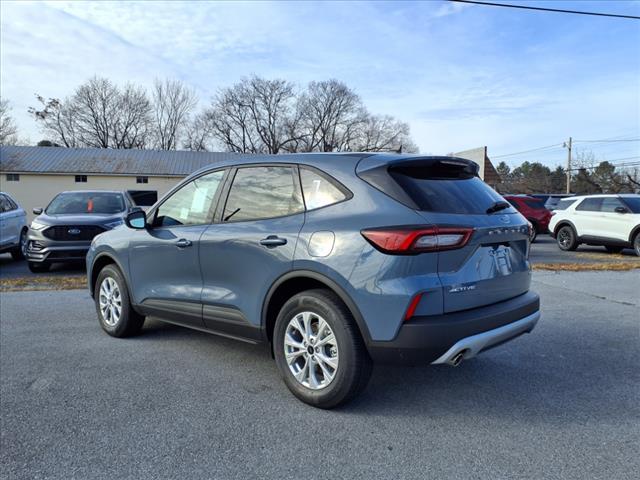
(533, 210)
(64, 230)
(612, 221)
(550, 200)
(335, 260)
(13, 227)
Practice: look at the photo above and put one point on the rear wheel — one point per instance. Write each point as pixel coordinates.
(636, 244)
(567, 239)
(39, 267)
(614, 249)
(534, 232)
(115, 313)
(18, 252)
(319, 351)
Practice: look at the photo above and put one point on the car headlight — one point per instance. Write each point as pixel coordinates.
(114, 224)
(38, 226)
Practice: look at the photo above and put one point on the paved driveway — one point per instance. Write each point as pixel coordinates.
(560, 403)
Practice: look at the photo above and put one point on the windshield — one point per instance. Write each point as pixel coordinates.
(86, 202)
(633, 203)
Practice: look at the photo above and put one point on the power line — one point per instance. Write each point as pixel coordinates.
(527, 151)
(543, 9)
(609, 141)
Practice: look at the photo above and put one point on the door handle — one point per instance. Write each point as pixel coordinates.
(183, 243)
(273, 241)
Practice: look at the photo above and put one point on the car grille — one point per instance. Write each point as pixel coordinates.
(72, 233)
(67, 254)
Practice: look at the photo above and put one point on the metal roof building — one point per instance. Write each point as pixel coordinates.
(34, 175)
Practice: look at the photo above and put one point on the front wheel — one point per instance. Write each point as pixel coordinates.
(115, 313)
(319, 351)
(39, 267)
(18, 252)
(566, 238)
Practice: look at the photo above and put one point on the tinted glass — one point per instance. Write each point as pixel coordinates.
(590, 205)
(191, 205)
(3, 204)
(564, 204)
(461, 196)
(262, 192)
(535, 204)
(633, 203)
(318, 190)
(610, 205)
(86, 202)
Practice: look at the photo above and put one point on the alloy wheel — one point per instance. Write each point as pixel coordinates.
(311, 350)
(23, 243)
(564, 237)
(110, 302)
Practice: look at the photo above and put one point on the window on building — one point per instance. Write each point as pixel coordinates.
(142, 179)
(13, 177)
(81, 179)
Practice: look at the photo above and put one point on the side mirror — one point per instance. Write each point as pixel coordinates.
(621, 210)
(136, 220)
(37, 210)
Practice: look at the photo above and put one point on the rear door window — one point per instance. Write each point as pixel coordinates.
(590, 205)
(263, 192)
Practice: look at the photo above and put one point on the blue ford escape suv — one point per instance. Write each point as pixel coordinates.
(335, 260)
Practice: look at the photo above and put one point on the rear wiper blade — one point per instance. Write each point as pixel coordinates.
(497, 206)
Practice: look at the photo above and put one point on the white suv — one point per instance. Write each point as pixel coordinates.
(612, 221)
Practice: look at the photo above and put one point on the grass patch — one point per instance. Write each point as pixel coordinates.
(583, 267)
(45, 282)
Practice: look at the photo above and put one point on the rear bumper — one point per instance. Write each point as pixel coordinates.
(440, 339)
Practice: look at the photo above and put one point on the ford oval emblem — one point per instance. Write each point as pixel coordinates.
(504, 219)
(74, 231)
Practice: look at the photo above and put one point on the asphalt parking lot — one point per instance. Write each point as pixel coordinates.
(560, 403)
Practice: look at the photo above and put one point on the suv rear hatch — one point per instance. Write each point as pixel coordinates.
(492, 265)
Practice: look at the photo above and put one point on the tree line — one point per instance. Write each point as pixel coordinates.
(255, 115)
(589, 176)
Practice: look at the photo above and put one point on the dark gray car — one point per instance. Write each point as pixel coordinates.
(334, 260)
(64, 230)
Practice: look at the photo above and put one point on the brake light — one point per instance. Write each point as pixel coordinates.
(410, 240)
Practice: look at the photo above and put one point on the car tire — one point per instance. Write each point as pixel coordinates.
(534, 232)
(113, 306)
(18, 252)
(567, 238)
(333, 339)
(39, 267)
(636, 244)
(614, 249)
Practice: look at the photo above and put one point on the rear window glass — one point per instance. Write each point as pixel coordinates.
(535, 204)
(468, 195)
(86, 202)
(318, 190)
(633, 203)
(590, 205)
(564, 204)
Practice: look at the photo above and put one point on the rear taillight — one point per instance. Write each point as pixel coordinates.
(410, 240)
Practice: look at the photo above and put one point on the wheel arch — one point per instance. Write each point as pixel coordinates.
(101, 261)
(298, 281)
(634, 231)
(564, 223)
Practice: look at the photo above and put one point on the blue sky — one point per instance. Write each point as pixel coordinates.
(461, 75)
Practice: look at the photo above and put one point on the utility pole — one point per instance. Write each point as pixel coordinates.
(567, 145)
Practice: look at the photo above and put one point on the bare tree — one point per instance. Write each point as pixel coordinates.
(199, 133)
(98, 115)
(8, 129)
(58, 121)
(254, 116)
(331, 115)
(383, 133)
(172, 103)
